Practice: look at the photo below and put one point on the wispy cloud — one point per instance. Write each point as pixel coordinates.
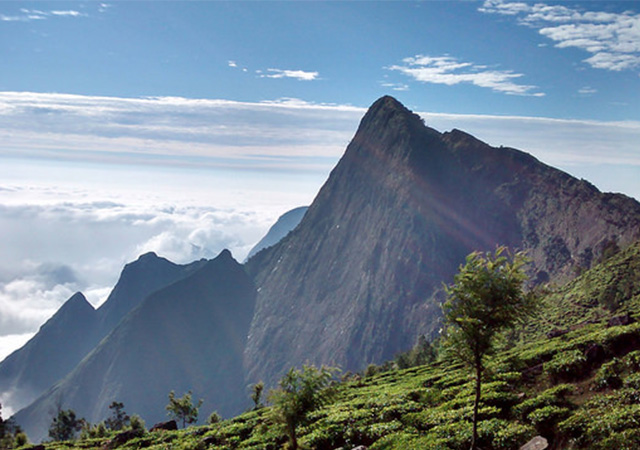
(450, 71)
(295, 74)
(282, 134)
(28, 15)
(587, 90)
(396, 86)
(612, 39)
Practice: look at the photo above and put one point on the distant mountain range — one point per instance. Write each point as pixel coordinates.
(356, 281)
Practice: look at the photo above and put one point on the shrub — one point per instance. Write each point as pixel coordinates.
(214, 418)
(546, 418)
(555, 396)
(608, 376)
(568, 365)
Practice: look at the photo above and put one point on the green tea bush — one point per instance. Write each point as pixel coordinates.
(568, 365)
(546, 418)
(503, 435)
(608, 376)
(555, 396)
(408, 441)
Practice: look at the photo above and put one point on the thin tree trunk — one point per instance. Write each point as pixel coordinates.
(292, 436)
(474, 438)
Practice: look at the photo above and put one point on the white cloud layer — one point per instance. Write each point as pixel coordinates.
(613, 39)
(450, 71)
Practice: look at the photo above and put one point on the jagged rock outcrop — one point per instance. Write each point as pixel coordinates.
(285, 223)
(361, 276)
(189, 335)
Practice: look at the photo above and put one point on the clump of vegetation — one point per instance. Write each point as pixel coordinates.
(422, 353)
(485, 299)
(183, 409)
(65, 425)
(299, 393)
(119, 419)
(11, 435)
(256, 395)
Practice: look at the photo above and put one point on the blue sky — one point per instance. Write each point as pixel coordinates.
(188, 127)
(576, 60)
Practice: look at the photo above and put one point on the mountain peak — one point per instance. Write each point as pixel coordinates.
(225, 255)
(387, 111)
(77, 302)
(148, 256)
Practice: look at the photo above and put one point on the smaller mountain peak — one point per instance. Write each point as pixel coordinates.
(457, 137)
(148, 256)
(75, 308)
(77, 298)
(77, 302)
(224, 254)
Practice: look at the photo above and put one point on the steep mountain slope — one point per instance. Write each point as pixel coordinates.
(360, 278)
(285, 223)
(187, 336)
(77, 328)
(58, 346)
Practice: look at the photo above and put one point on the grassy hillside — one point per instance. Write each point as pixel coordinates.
(570, 376)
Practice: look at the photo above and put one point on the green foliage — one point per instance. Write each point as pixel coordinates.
(555, 396)
(11, 435)
(65, 425)
(137, 424)
(422, 353)
(485, 299)
(566, 366)
(214, 418)
(299, 393)
(119, 418)
(256, 394)
(183, 409)
(96, 431)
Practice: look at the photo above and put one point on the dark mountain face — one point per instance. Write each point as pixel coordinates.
(361, 276)
(77, 328)
(187, 336)
(139, 279)
(57, 347)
